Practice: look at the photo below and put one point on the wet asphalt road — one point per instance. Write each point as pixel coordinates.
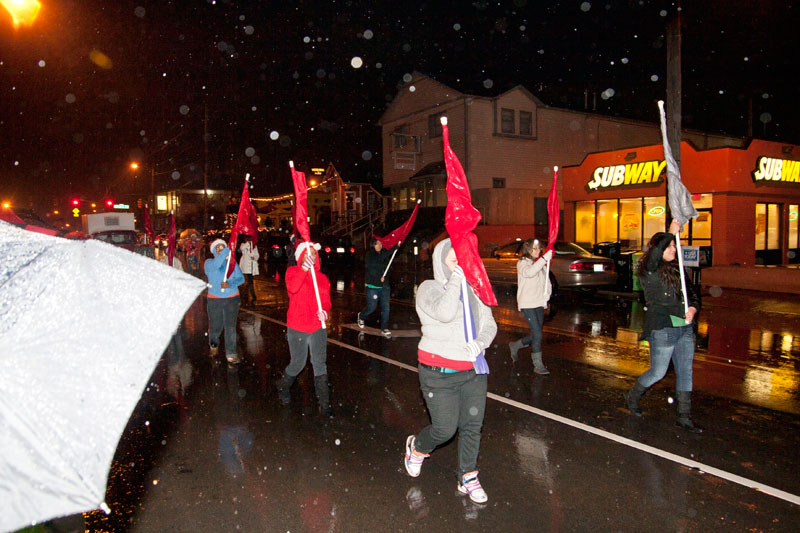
(209, 448)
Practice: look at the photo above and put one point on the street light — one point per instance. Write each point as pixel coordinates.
(22, 11)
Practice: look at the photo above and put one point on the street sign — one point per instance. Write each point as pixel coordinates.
(76, 212)
(691, 256)
(121, 206)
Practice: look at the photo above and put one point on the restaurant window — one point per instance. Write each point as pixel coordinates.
(768, 234)
(630, 223)
(435, 125)
(606, 220)
(584, 223)
(525, 123)
(507, 121)
(402, 200)
(654, 216)
(794, 238)
(400, 136)
(441, 194)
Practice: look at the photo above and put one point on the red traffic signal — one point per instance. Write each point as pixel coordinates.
(109, 203)
(75, 201)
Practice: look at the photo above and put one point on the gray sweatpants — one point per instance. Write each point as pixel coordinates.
(300, 343)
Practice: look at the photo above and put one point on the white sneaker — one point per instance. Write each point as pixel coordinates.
(469, 485)
(413, 460)
(359, 321)
(386, 333)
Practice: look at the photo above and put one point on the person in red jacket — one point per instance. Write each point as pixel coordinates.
(304, 323)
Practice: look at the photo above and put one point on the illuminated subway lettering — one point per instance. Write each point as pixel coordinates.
(630, 174)
(773, 169)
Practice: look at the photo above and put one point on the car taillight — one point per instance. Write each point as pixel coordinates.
(581, 266)
(352, 250)
(327, 249)
(275, 246)
(609, 267)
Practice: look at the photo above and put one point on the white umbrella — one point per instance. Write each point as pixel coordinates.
(82, 326)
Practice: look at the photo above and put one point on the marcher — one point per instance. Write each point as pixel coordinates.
(192, 246)
(223, 300)
(660, 277)
(378, 290)
(176, 263)
(289, 249)
(533, 293)
(304, 330)
(249, 265)
(454, 393)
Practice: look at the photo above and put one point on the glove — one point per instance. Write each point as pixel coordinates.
(548, 255)
(322, 315)
(308, 262)
(473, 350)
(457, 271)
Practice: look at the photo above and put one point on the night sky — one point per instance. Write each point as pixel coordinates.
(95, 84)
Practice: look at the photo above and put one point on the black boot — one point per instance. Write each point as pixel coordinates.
(632, 398)
(323, 394)
(684, 419)
(284, 388)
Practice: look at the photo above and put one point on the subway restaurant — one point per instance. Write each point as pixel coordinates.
(747, 199)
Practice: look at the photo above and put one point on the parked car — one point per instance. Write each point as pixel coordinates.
(572, 266)
(337, 251)
(274, 247)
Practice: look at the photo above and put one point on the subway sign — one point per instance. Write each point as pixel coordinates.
(770, 169)
(646, 172)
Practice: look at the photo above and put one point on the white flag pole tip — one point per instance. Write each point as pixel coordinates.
(419, 201)
(443, 121)
(555, 169)
(291, 164)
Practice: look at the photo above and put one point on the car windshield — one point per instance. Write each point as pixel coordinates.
(117, 238)
(569, 248)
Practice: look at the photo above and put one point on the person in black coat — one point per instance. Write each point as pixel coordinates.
(669, 337)
(377, 286)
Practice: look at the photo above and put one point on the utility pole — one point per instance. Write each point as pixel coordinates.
(673, 100)
(205, 168)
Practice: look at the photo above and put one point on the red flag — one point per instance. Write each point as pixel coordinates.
(246, 223)
(300, 207)
(171, 239)
(399, 235)
(460, 218)
(553, 212)
(148, 227)
(8, 215)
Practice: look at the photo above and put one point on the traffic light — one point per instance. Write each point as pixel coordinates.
(109, 203)
(75, 202)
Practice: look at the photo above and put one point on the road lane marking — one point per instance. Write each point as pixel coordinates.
(689, 463)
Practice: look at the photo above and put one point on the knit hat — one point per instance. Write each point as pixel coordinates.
(298, 252)
(214, 244)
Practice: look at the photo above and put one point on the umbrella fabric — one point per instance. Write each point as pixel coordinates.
(82, 327)
(148, 227)
(171, 239)
(246, 223)
(300, 210)
(460, 219)
(399, 235)
(553, 212)
(680, 201)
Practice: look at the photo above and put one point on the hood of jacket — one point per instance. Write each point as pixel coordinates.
(441, 272)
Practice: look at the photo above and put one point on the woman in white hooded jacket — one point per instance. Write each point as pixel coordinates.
(249, 266)
(454, 393)
(533, 293)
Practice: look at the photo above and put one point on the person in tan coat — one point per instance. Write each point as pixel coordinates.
(533, 293)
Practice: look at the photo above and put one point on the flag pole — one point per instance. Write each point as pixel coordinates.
(313, 270)
(683, 274)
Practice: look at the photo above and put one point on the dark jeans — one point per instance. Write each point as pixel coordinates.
(251, 288)
(223, 313)
(375, 296)
(455, 402)
(535, 319)
(676, 344)
(300, 343)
